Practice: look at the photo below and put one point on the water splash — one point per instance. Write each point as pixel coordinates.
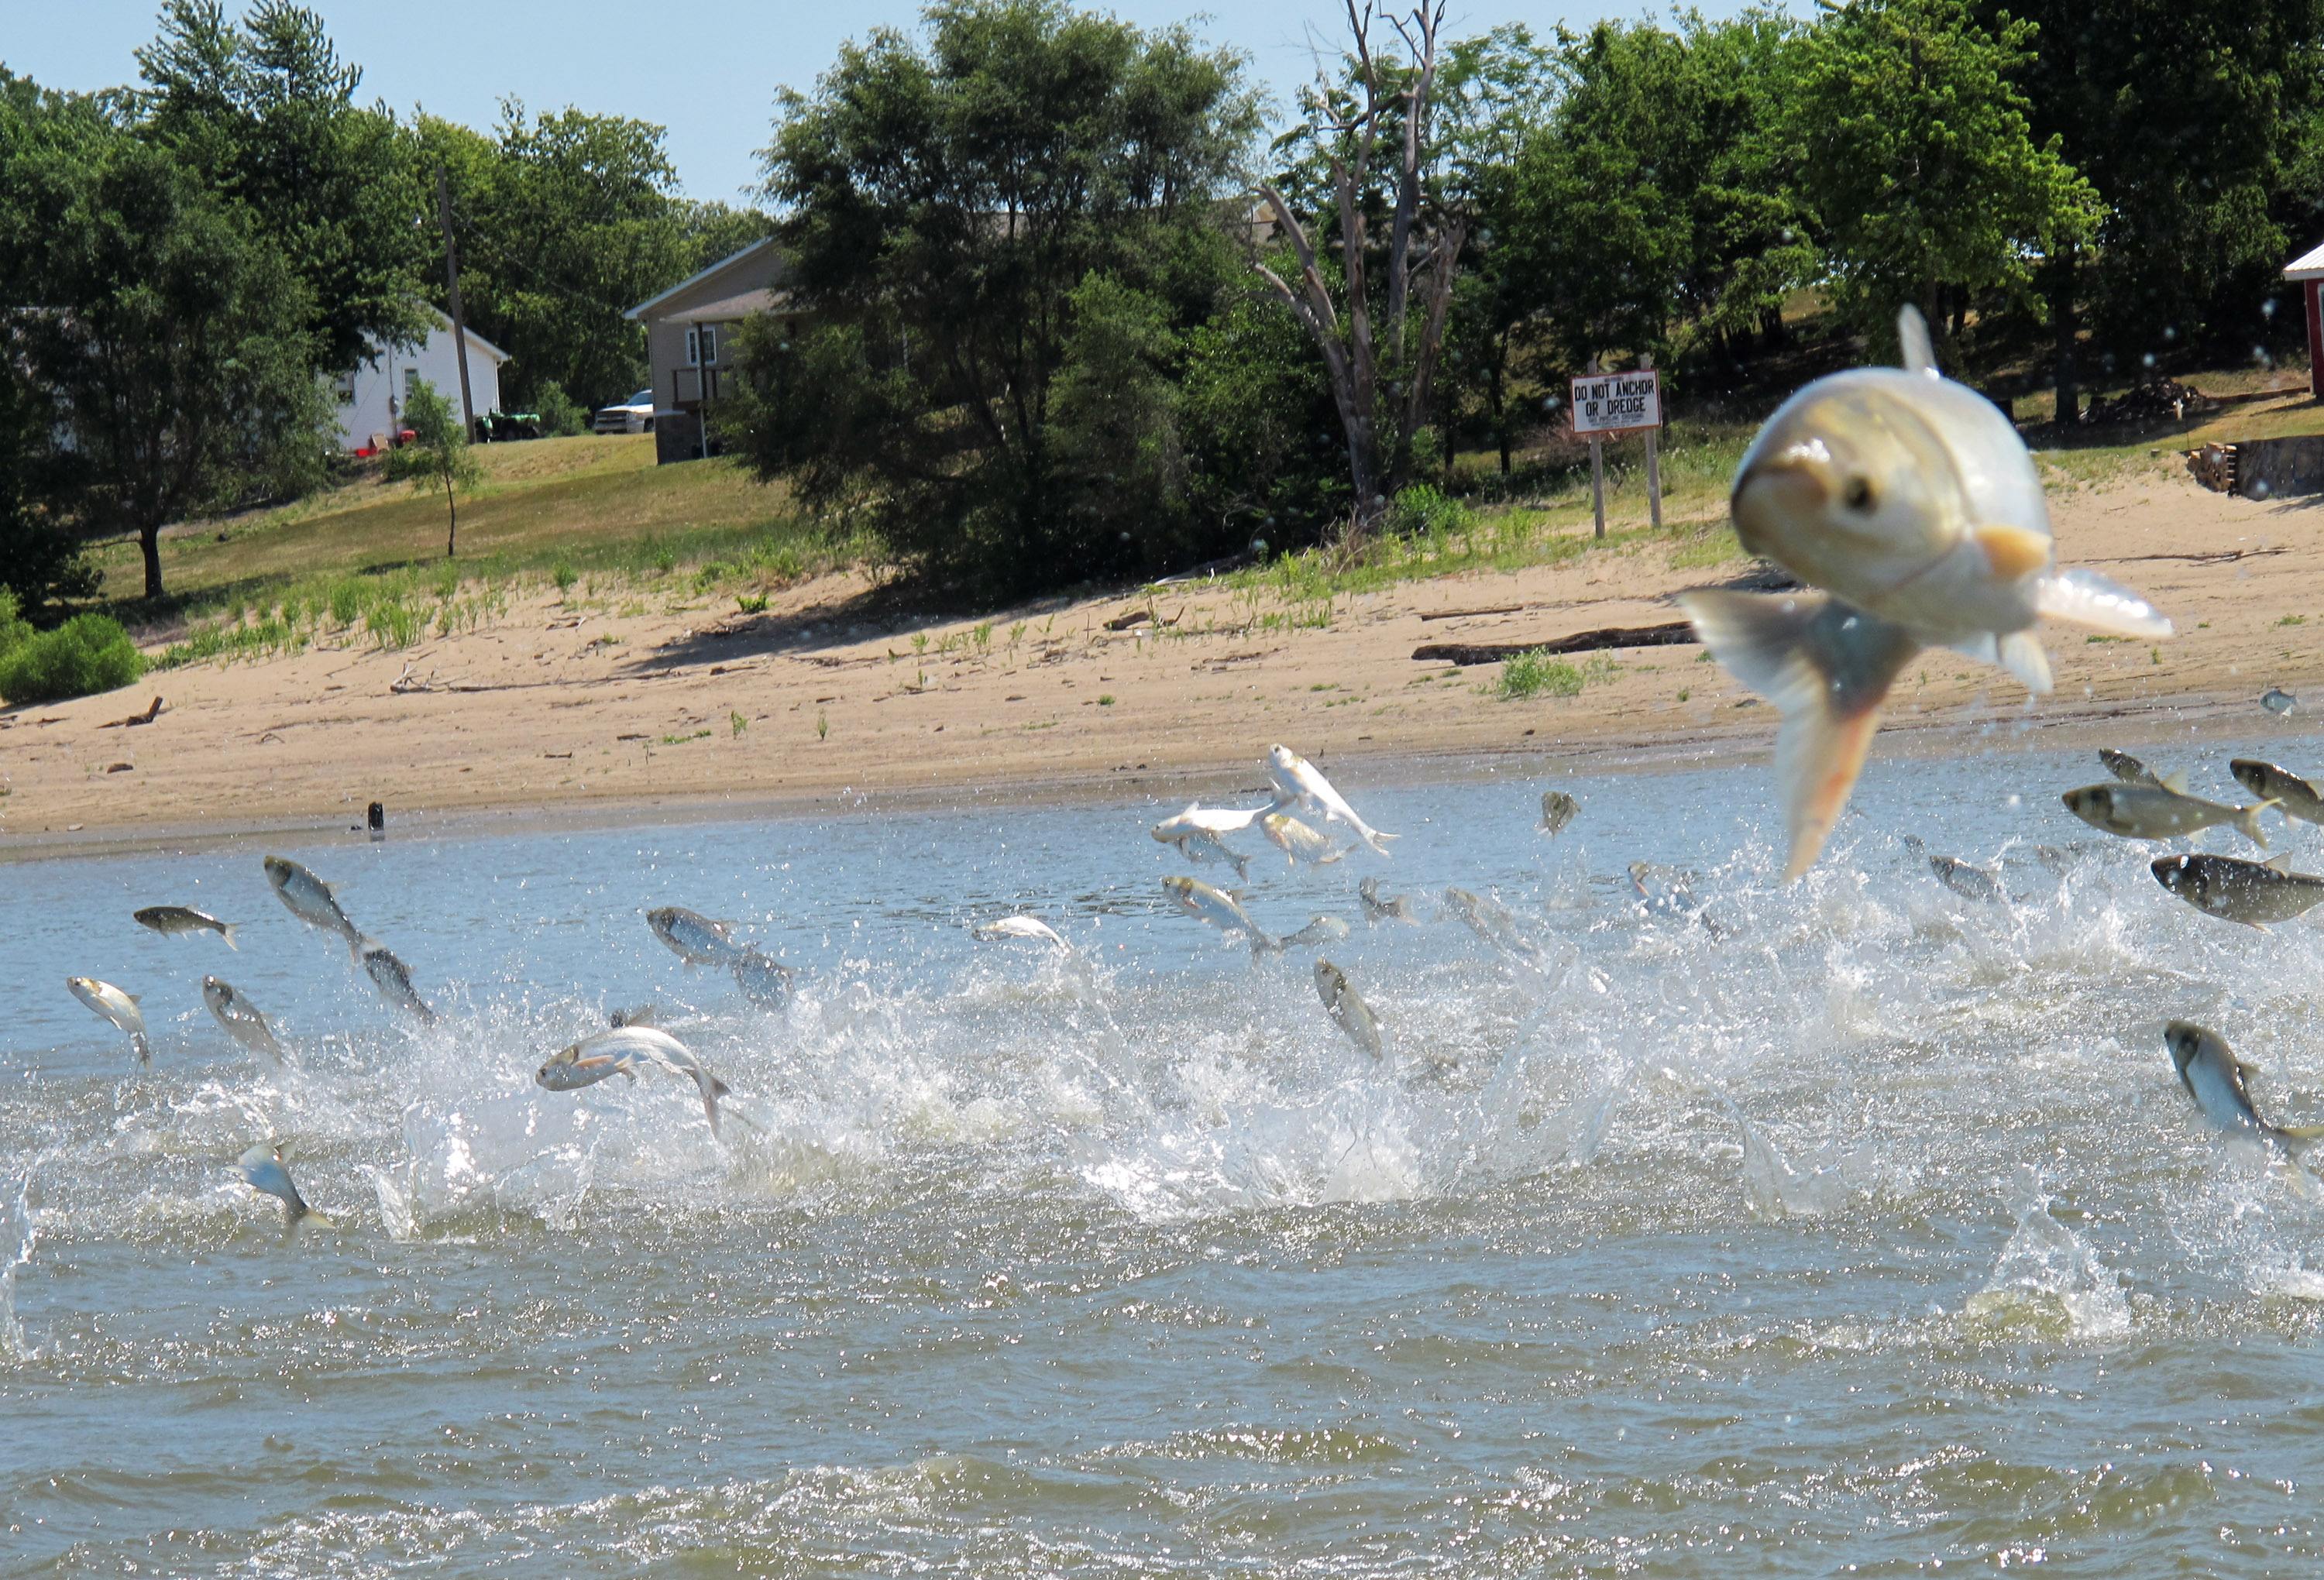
(1775, 1189)
(2051, 1275)
(17, 1236)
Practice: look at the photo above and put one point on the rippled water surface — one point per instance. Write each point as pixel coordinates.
(1742, 1230)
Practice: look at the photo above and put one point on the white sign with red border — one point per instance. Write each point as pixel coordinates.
(1616, 403)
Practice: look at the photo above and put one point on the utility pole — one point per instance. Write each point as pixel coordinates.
(452, 292)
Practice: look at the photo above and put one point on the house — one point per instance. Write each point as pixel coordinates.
(691, 340)
(2307, 272)
(371, 398)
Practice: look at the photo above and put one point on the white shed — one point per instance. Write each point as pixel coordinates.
(371, 398)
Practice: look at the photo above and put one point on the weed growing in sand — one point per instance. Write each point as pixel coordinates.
(822, 725)
(1016, 635)
(751, 605)
(1536, 672)
(563, 573)
(1106, 700)
(737, 723)
(682, 739)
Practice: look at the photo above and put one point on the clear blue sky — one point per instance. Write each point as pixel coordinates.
(707, 71)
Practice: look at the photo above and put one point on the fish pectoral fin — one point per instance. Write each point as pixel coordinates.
(1827, 667)
(2175, 782)
(2013, 552)
(2248, 821)
(2088, 598)
(2020, 653)
(2279, 863)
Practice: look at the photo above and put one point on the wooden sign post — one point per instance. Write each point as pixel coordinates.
(1616, 404)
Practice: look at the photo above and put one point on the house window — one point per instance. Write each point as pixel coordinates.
(702, 345)
(411, 383)
(343, 387)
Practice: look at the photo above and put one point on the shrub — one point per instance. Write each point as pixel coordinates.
(88, 653)
(1532, 674)
(1424, 511)
(559, 417)
(14, 630)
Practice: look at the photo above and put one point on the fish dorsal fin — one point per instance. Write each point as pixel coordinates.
(1920, 356)
(2279, 863)
(134, 998)
(2175, 782)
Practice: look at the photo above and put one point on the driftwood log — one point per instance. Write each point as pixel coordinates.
(1464, 654)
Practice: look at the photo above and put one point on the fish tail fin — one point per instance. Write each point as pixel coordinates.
(713, 1088)
(1827, 667)
(2088, 598)
(2248, 821)
(225, 930)
(144, 1049)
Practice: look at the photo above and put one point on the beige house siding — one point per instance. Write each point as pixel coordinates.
(698, 316)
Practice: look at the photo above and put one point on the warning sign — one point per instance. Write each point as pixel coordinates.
(1616, 403)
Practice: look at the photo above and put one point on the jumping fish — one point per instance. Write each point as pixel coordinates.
(2127, 767)
(1971, 883)
(763, 980)
(1196, 832)
(1378, 910)
(2278, 701)
(240, 1018)
(392, 978)
(262, 1167)
(1297, 840)
(2295, 795)
(311, 899)
(1911, 502)
(2160, 812)
(1298, 783)
(693, 937)
(119, 1007)
(172, 920)
(2216, 1078)
(1322, 930)
(1220, 909)
(618, 1052)
(1557, 810)
(1493, 923)
(2253, 892)
(1347, 1006)
(1020, 927)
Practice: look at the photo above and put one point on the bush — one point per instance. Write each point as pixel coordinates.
(88, 653)
(1531, 673)
(560, 418)
(14, 631)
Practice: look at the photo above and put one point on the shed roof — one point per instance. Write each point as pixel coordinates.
(2306, 266)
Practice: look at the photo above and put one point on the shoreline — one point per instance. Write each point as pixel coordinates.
(645, 705)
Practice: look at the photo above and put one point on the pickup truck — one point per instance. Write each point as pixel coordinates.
(633, 415)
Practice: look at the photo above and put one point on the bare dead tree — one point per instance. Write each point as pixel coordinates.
(1425, 236)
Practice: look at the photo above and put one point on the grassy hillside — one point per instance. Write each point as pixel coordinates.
(594, 506)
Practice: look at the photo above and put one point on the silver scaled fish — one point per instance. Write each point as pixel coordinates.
(1910, 501)
(240, 1018)
(1346, 1007)
(175, 920)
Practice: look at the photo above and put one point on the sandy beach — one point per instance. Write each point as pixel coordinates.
(618, 706)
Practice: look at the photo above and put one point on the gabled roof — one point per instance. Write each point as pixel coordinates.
(650, 303)
(2306, 266)
(476, 341)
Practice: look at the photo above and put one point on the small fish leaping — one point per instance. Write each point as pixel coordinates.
(1298, 783)
(618, 1051)
(175, 920)
(1196, 834)
(262, 1168)
(119, 1007)
(1911, 502)
(2217, 1080)
(1029, 927)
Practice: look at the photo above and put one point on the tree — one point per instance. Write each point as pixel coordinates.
(986, 232)
(1381, 382)
(439, 454)
(171, 340)
(565, 221)
(264, 113)
(1916, 145)
(2192, 119)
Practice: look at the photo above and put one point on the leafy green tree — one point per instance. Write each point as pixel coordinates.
(264, 112)
(172, 342)
(565, 221)
(1915, 142)
(2197, 122)
(1655, 196)
(437, 454)
(954, 212)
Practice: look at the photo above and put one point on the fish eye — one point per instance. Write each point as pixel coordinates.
(1858, 495)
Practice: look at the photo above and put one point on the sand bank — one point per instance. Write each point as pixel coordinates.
(665, 705)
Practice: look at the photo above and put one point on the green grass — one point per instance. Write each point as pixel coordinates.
(587, 512)
(1537, 674)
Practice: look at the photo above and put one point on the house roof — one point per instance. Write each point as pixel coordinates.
(2306, 266)
(740, 306)
(644, 307)
(476, 341)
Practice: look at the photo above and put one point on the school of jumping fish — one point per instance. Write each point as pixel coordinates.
(1907, 500)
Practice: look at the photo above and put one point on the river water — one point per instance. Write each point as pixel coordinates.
(1852, 1227)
